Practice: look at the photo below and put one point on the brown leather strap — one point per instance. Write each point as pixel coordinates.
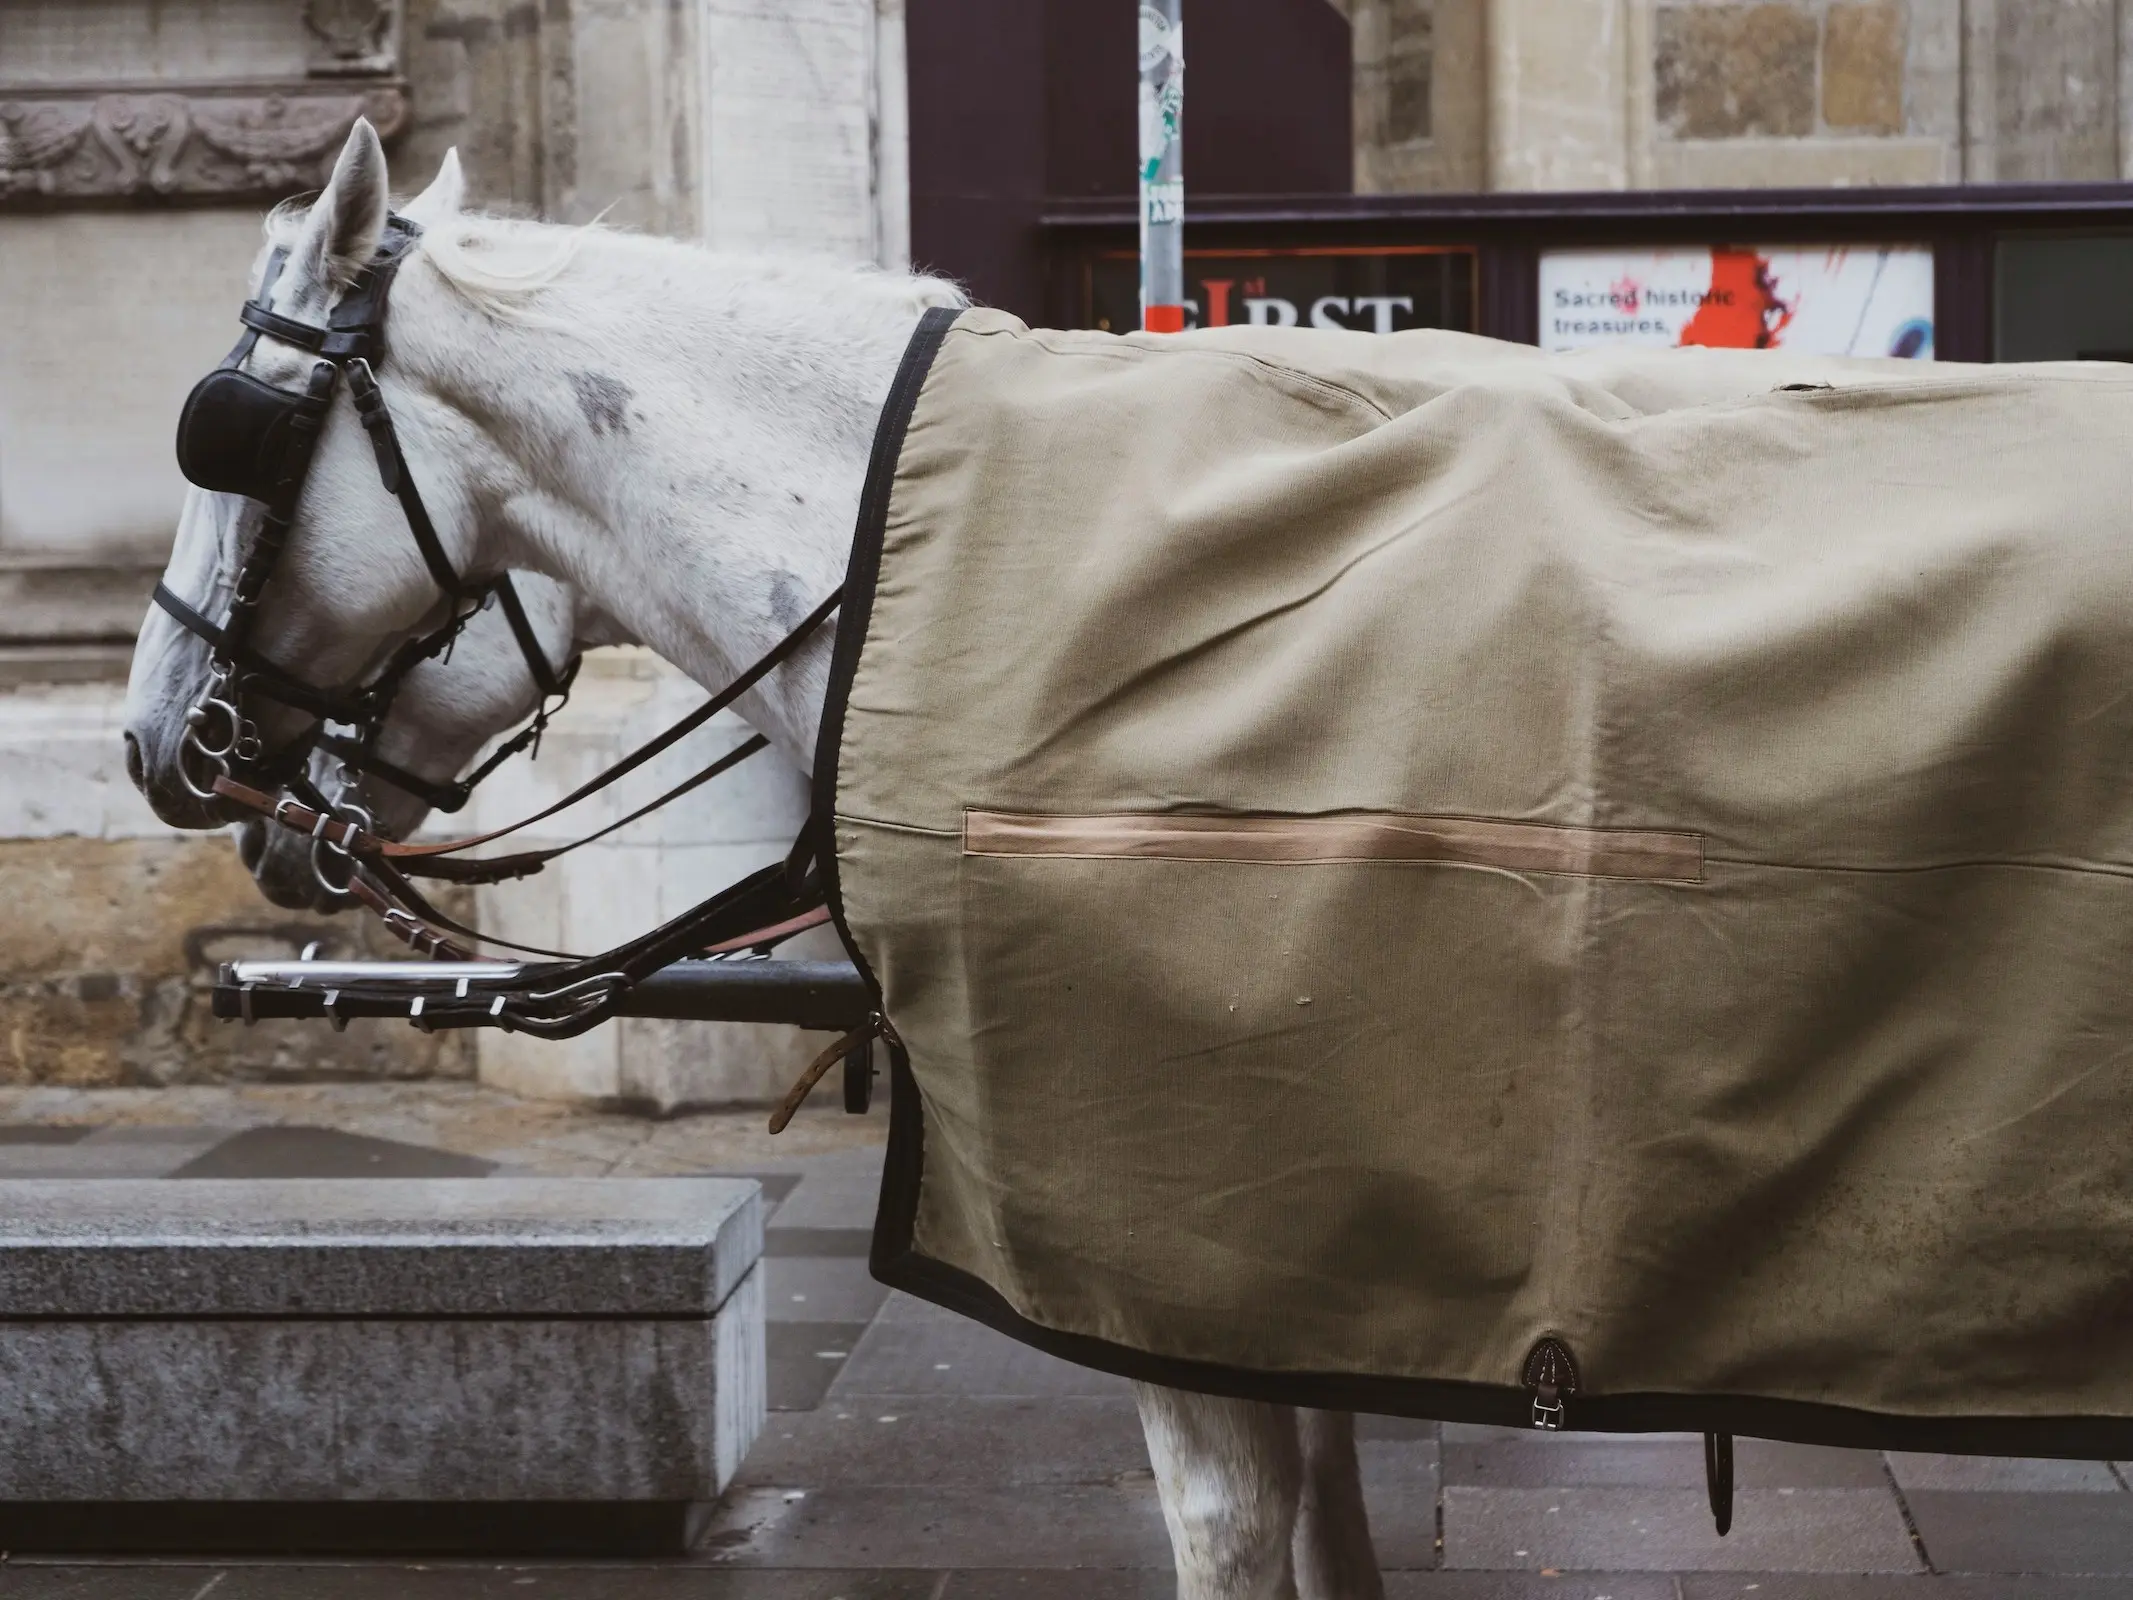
(804, 1085)
(777, 930)
(409, 929)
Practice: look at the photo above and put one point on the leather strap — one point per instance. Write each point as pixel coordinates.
(629, 763)
(274, 680)
(392, 470)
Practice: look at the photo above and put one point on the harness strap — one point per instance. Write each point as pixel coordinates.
(545, 677)
(487, 869)
(493, 869)
(392, 470)
(405, 909)
(274, 680)
(368, 845)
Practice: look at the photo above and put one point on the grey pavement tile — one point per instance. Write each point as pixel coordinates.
(901, 1307)
(973, 1444)
(1771, 1464)
(92, 1582)
(1986, 1532)
(820, 1289)
(1537, 1460)
(900, 1526)
(1483, 1433)
(956, 1356)
(42, 1132)
(804, 1359)
(1400, 1493)
(1124, 1584)
(301, 1152)
(1532, 1461)
(1800, 1586)
(1370, 1427)
(111, 1153)
(776, 1186)
(556, 1582)
(839, 1190)
(2014, 1473)
(1669, 1530)
(783, 1241)
(1532, 1586)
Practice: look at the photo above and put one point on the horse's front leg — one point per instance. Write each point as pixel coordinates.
(1333, 1557)
(1231, 1477)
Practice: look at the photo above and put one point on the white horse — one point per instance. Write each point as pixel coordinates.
(446, 709)
(681, 437)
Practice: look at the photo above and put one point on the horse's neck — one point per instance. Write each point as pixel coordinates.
(683, 439)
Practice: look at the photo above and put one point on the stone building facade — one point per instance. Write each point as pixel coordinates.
(140, 143)
(1671, 94)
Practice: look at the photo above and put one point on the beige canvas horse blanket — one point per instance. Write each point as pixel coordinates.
(1384, 851)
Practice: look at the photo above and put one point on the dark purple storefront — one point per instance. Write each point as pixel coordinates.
(1022, 151)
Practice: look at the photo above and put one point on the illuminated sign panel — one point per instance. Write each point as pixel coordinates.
(1835, 300)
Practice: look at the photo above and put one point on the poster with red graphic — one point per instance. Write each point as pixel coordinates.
(1835, 300)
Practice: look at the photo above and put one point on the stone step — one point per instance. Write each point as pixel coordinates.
(436, 1365)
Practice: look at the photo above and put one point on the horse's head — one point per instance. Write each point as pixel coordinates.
(295, 581)
(446, 710)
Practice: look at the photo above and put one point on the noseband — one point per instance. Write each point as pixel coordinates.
(243, 436)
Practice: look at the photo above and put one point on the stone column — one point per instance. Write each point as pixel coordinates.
(1421, 95)
(754, 128)
(1558, 94)
(791, 96)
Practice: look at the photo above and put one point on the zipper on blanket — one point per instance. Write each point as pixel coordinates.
(1551, 1376)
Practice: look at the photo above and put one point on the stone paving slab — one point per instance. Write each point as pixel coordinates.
(891, 1525)
(1528, 1586)
(104, 1583)
(108, 1152)
(304, 1152)
(398, 1582)
(1060, 1586)
(1797, 1586)
(2003, 1473)
(1599, 1530)
(804, 1359)
(2069, 1533)
(951, 1443)
(1526, 1461)
(822, 1289)
(939, 1353)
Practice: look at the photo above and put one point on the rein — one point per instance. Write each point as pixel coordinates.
(241, 435)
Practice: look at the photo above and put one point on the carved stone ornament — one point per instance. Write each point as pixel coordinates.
(59, 146)
(355, 34)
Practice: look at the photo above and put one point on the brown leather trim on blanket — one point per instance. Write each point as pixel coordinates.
(1342, 836)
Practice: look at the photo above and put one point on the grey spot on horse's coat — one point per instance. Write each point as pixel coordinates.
(604, 400)
(787, 603)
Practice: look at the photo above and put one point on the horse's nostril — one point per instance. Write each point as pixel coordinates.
(136, 768)
(251, 843)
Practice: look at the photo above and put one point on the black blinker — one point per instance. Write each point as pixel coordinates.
(236, 433)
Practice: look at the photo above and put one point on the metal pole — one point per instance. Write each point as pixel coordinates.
(1162, 117)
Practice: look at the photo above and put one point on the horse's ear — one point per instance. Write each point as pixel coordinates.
(443, 198)
(342, 230)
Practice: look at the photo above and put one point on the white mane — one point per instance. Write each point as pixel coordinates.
(497, 264)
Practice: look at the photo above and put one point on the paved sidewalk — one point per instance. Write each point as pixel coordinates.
(912, 1454)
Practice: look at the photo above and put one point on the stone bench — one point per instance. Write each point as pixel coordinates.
(489, 1365)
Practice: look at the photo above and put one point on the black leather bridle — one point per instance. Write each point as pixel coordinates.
(241, 435)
